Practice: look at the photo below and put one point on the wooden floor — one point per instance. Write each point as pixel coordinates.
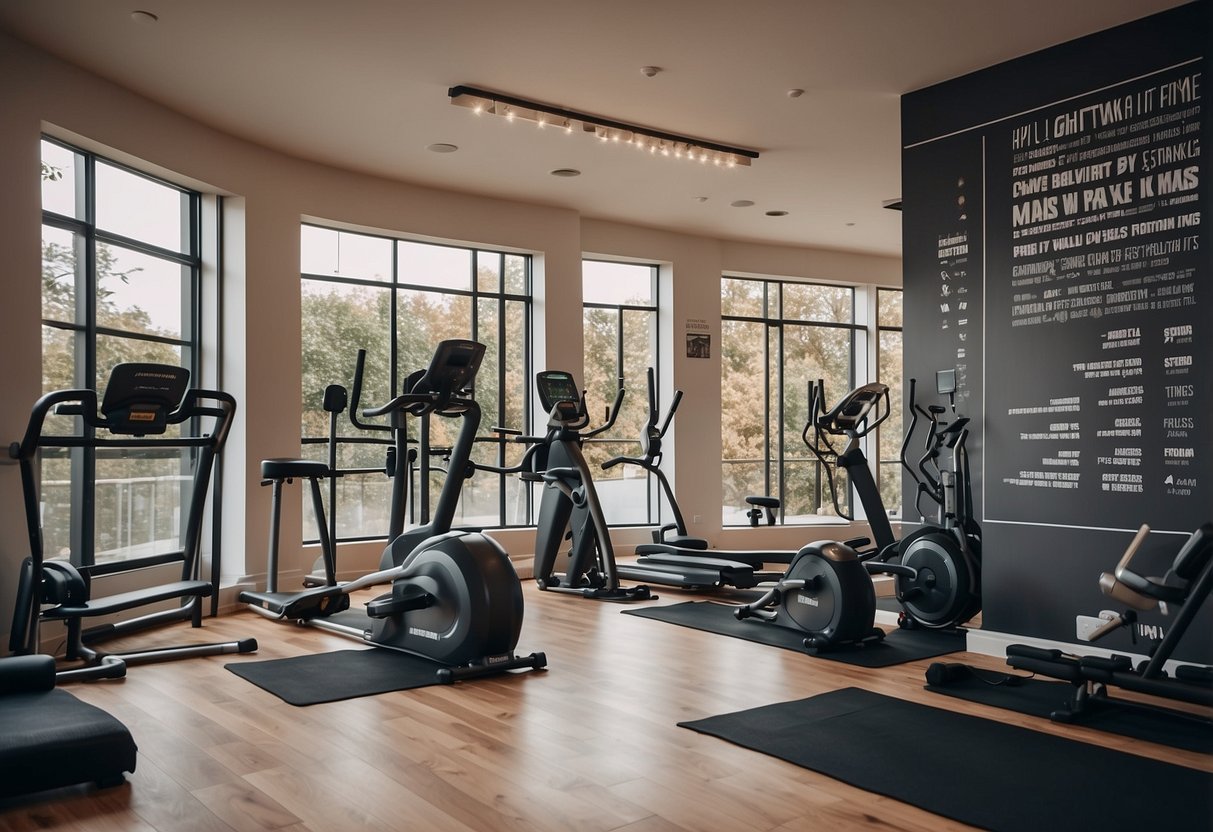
(590, 744)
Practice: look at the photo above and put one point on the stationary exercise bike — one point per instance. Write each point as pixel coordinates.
(827, 591)
(455, 596)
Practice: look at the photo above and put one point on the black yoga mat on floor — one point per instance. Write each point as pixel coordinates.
(898, 647)
(1040, 697)
(343, 674)
(977, 771)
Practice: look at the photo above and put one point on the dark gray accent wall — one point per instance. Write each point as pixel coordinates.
(1057, 254)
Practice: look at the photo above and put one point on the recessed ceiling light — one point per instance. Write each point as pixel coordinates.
(442, 147)
(850, 225)
(649, 71)
(701, 199)
(140, 16)
(777, 213)
(796, 93)
(566, 172)
(742, 203)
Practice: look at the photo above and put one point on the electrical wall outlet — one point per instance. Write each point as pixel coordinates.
(1085, 626)
(697, 519)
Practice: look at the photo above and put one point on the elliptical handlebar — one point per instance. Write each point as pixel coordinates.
(356, 397)
(612, 415)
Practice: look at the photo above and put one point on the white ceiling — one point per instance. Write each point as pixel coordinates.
(362, 84)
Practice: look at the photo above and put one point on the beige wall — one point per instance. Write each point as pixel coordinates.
(270, 194)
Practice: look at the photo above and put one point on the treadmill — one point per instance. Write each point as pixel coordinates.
(676, 558)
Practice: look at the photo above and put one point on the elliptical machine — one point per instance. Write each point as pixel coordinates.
(570, 501)
(946, 553)
(651, 437)
(678, 559)
(939, 583)
(827, 590)
(455, 596)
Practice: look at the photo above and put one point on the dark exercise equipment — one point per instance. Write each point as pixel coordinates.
(719, 567)
(1182, 591)
(569, 507)
(827, 591)
(688, 565)
(651, 437)
(946, 552)
(455, 596)
(51, 739)
(937, 566)
(141, 402)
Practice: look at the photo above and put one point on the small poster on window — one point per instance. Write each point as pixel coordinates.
(699, 338)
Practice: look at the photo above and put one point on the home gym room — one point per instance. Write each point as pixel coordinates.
(379, 455)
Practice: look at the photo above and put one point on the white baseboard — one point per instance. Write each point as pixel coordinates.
(989, 643)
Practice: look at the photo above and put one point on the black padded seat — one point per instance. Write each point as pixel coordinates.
(282, 469)
(51, 739)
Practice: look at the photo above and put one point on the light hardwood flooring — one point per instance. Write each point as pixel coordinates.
(589, 744)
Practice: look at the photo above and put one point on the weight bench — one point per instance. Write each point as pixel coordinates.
(1182, 590)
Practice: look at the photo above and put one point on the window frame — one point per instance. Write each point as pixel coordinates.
(84, 333)
(653, 503)
(894, 513)
(774, 465)
(396, 286)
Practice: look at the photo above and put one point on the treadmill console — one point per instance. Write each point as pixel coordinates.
(855, 407)
(140, 397)
(452, 368)
(556, 386)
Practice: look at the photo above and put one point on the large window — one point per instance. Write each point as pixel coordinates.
(397, 299)
(120, 281)
(620, 323)
(777, 337)
(888, 371)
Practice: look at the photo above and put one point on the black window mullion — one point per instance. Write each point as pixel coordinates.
(84, 461)
(502, 352)
(85, 330)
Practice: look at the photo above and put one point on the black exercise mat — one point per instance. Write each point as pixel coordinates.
(343, 674)
(898, 647)
(976, 771)
(1040, 697)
